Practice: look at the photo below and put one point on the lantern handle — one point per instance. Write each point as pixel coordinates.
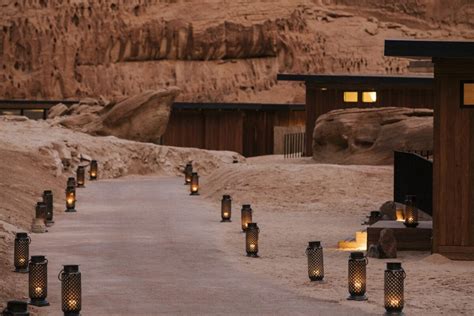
(404, 275)
(60, 275)
(366, 260)
(29, 240)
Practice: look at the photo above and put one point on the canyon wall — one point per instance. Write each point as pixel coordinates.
(213, 50)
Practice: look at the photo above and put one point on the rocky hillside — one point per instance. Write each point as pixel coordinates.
(214, 50)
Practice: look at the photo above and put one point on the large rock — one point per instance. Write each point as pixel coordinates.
(369, 136)
(142, 117)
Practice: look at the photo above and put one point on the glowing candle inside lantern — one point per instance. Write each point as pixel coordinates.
(251, 240)
(38, 290)
(252, 247)
(314, 252)
(226, 214)
(357, 276)
(22, 261)
(72, 304)
(194, 183)
(358, 286)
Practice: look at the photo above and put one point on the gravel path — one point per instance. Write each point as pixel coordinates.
(145, 247)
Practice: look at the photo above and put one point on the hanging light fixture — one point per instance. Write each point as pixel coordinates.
(251, 240)
(38, 281)
(48, 200)
(394, 288)
(41, 211)
(357, 276)
(411, 212)
(70, 199)
(21, 252)
(93, 170)
(314, 252)
(188, 172)
(81, 176)
(71, 182)
(16, 308)
(246, 216)
(194, 184)
(226, 208)
(71, 297)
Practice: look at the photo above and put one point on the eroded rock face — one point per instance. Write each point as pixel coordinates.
(142, 117)
(369, 136)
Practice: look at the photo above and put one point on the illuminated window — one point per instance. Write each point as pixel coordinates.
(467, 94)
(351, 96)
(369, 97)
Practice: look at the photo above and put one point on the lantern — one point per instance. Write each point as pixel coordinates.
(48, 199)
(93, 170)
(38, 281)
(188, 172)
(357, 276)
(21, 252)
(71, 298)
(71, 182)
(411, 212)
(70, 199)
(314, 252)
(226, 208)
(393, 287)
(41, 210)
(16, 308)
(251, 240)
(246, 216)
(81, 176)
(194, 184)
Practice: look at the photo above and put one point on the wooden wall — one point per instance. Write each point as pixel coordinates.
(248, 132)
(320, 101)
(453, 178)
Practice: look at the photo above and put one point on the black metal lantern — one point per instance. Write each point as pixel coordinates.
(411, 212)
(70, 199)
(194, 184)
(188, 172)
(41, 210)
(71, 298)
(48, 200)
(314, 252)
(71, 182)
(394, 288)
(21, 252)
(16, 308)
(93, 170)
(357, 276)
(251, 240)
(246, 216)
(38, 281)
(226, 208)
(81, 176)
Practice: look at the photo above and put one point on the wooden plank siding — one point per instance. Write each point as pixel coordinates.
(453, 182)
(321, 99)
(248, 131)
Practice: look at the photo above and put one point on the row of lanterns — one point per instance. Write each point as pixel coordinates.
(37, 266)
(394, 275)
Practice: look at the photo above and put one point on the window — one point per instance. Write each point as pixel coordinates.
(467, 94)
(351, 96)
(369, 96)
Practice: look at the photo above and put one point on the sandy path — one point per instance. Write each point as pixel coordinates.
(145, 247)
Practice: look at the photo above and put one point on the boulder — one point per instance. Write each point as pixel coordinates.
(57, 110)
(388, 210)
(142, 117)
(387, 244)
(369, 136)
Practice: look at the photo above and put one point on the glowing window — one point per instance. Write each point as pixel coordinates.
(369, 97)
(467, 94)
(351, 96)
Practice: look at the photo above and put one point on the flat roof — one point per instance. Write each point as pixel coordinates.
(429, 48)
(237, 106)
(12, 104)
(357, 79)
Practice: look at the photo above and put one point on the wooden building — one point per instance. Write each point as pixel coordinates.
(246, 128)
(325, 93)
(453, 161)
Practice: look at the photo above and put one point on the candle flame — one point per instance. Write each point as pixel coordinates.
(38, 290)
(358, 285)
(72, 303)
(252, 246)
(22, 260)
(226, 214)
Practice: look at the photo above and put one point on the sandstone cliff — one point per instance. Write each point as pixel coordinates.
(214, 50)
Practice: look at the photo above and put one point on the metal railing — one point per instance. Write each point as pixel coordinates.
(294, 145)
(25, 106)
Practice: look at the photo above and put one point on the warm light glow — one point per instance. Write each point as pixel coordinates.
(351, 96)
(72, 304)
(226, 214)
(468, 94)
(369, 97)
(246, 225)
(252, 246)
(70, 201)
(21, 260)
(394, 302)
(93, 174)
(399, 215)
(194, 188)
(38, 290)
(410, 220)
(360, 242)
(357, 285)
(315, 272)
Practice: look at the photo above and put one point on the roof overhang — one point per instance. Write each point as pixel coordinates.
(237, 106)
(429, 48)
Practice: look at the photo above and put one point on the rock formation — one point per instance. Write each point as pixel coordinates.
(142, 117)
(369, 136)
(221, 51)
